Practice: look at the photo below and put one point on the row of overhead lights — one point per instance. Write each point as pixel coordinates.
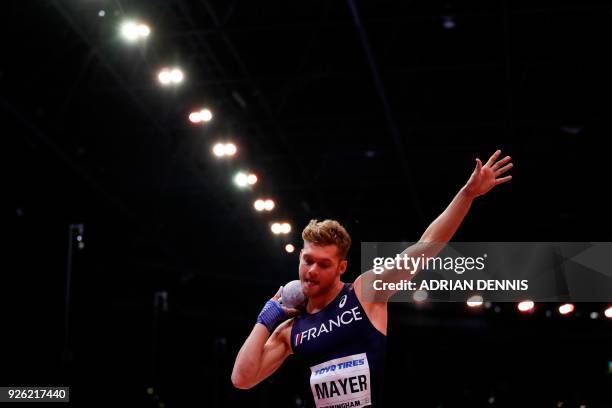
(526, 306)
(565, 309)
(136, 31)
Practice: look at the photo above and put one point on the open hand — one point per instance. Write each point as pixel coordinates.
(484, 178)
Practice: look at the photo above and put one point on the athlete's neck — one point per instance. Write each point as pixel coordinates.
(317, 303)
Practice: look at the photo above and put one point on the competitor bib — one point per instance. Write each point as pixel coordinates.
(342, 382)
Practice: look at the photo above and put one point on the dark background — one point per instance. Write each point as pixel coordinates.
(91, 138)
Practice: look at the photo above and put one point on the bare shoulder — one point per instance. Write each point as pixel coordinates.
(375, 310)
(357, 287)
(380, 298)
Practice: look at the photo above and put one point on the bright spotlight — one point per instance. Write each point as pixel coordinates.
(276, 228)
(219, 150)
(241, 179)
(608, 312)
(195, 117)
(259, 205)
(420, 296)
(164, 77)
(230, 149)
(176, 75)
(268, 205)
(206, 115)
(244, 180)
(475, 301)
(263, 205)
(289, 248)
(526, 306)
(251, 179)
(143, 30)
(133, 31)
(129, 31)
(566, 309)
(225, 149)
(170, 76)
(280, 228)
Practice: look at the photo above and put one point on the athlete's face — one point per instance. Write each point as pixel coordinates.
(320, 268)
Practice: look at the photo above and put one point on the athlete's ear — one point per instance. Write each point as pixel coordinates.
(343, 265)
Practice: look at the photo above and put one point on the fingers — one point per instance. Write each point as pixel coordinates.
(278, 294)
(478, 166)
(493, 158)
(290, 312)
(503, 169)
(502, 180)
(500, 163)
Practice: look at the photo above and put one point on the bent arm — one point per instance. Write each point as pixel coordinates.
(261, 355)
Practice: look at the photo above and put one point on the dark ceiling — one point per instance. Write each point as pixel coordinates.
(99, 141)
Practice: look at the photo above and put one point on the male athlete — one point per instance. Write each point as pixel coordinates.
(340, 335)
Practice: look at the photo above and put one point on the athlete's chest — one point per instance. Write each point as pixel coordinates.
(330, 328)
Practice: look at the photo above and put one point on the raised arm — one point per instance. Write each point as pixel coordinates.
(481, 181)
(442, 229)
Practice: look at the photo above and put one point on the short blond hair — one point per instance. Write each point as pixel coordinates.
(328, 232)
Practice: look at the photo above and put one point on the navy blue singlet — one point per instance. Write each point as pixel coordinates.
(345, 353)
